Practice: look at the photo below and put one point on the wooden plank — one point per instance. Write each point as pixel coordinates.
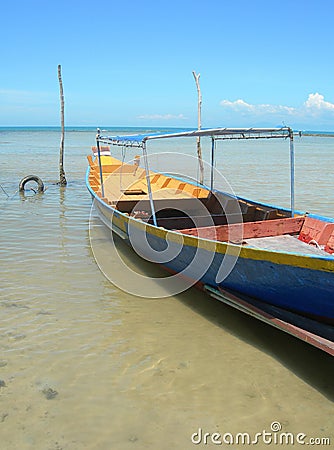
(247, 230)
(312, 332)
(330, 244)
(317, 230)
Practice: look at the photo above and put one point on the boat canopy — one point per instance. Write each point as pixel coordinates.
(139, 140)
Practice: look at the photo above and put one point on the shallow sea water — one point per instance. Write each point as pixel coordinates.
(84, 365)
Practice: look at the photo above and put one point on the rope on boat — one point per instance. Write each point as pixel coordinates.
(4, 190)
(36, 179)
(315, 243)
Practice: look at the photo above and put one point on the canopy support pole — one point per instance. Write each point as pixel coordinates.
(292, 174)
(100, 165)
(148, 181)
(213, 142)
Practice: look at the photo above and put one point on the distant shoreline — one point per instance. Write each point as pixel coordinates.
(318, 133)
(69, 128)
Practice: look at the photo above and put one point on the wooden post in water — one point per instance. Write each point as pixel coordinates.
(62, 178)
(199, 126)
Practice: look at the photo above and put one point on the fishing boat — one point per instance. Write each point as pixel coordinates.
(272, 262)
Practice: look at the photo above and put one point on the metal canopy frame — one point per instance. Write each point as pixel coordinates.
(216, 134)
(139, 140)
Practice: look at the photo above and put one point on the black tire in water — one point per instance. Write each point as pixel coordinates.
(28, 178)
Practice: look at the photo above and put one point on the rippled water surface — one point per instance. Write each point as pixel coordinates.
(84, 365)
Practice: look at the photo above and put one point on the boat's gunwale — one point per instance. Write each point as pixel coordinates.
(295, 259)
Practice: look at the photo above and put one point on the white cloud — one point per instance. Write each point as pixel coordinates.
(317, 102)
(237, 105)
(314, 105)
(162, 117)
(242, 106)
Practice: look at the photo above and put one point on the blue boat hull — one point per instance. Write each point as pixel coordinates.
(301, 290)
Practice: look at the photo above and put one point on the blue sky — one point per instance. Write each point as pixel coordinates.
(130, 63)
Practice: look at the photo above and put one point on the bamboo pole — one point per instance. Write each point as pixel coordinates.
(62, 177)
(199, 126)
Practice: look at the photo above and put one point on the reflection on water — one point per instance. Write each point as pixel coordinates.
(84, 365)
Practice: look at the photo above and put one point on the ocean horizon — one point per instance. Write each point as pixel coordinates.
(135, 128)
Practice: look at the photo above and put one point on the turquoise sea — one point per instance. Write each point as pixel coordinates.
(84, 365)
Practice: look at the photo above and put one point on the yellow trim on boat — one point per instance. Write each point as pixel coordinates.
(289, 259)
